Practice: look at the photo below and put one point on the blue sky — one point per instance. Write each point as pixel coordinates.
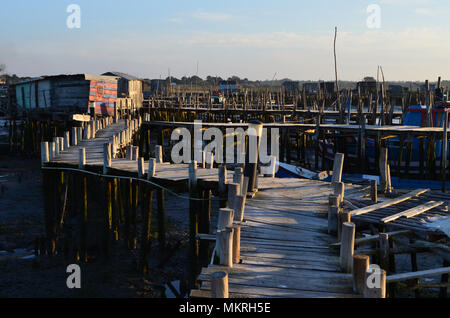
(253, 39)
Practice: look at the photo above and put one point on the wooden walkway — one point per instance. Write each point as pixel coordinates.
(285, 245)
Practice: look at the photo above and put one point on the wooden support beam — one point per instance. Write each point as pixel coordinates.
(419, 274)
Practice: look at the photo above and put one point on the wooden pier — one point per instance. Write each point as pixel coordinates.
(280, 241)
(285, 245)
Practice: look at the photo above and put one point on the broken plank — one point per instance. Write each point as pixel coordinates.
(413, 211)
(388, 203)
(372, 238)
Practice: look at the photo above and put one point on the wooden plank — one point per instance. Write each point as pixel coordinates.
(285, 278)
(415, 275)
(388, 203)
(372, 238)
(243, 291)
(413, 211)
(289, 263)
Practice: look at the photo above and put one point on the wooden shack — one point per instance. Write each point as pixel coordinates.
(79, 93)
(129, 92)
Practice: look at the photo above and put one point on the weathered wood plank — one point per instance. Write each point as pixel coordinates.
(419, 274)
(413, 211)
(388, 203)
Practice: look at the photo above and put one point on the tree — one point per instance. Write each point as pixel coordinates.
(2, 68)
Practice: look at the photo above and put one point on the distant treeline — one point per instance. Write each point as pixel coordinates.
(213, 81)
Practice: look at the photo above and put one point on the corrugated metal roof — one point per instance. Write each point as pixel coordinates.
(89, 77)
(34, 79)
(123, 75)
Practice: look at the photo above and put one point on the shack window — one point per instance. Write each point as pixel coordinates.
(99, 91)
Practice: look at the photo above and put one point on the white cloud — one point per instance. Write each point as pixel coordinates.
(175, 20)
(427, 12)
(210, 16)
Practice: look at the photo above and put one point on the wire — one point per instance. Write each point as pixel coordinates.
(128, 178)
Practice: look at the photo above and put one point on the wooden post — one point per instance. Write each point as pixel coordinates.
(245, 186)
(225, 218)
(79, 132)
(108, 220)
(61, 144)
(106, 157)
(141, 171)
(384, 251)
(338, 166)
(238, 177)
(210, 160)
(203, 160)
(225, 241)
(360, 265)
(129, 152)
(237, 244)
(66, 140)
(333, 212)
(52, 150)
(151, 168)
(45, 154)
(347, 246)
(239, 207)
(135, 150)
(384, 170)
(57, 147)
(84, 219)
(373, 278)
(339, 191)
(81, 158)
(161, 218)
(193, 174)
(374, 191)
(222, 179)
(219, 285)
(343, 217)
(159, 154)
(74, 136)
(233, 191)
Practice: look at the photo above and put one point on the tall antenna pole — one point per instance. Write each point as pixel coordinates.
(336, 72)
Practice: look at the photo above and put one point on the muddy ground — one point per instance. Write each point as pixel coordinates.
(22, 221)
